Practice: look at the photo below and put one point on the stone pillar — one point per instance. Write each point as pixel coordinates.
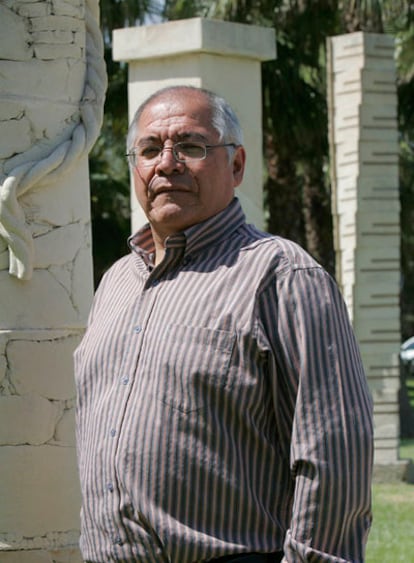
(220, 56)
(364, 156)
(51, 101)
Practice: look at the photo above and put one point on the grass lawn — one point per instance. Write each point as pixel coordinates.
(391, 539)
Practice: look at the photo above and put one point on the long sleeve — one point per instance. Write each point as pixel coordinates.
(331, 444)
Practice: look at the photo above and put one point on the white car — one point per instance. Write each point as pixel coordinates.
(407, 354)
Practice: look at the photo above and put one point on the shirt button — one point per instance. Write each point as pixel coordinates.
(125, 380)
(137, 329)
(117, 540)
(113, 432)
(110, 487)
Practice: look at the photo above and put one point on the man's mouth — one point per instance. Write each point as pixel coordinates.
(162, 188)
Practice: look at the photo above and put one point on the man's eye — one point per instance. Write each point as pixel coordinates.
(191, 150)
(149, 152)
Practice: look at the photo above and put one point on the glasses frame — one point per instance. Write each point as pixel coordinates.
(132, 155)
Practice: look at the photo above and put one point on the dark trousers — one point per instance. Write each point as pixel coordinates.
(274, 557)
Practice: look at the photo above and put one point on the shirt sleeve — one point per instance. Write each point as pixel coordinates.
(318, 367)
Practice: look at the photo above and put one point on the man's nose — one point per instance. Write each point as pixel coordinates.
(167, 161)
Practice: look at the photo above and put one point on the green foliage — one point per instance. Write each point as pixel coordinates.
(122, 13)
(407, 234)
(402, 26)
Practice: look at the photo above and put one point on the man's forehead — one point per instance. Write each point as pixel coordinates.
(187, 116)
(181, 95)
(178, 136)
(194, 104)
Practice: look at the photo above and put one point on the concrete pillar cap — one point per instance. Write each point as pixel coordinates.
(194, 35)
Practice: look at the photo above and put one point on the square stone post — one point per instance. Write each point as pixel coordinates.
(220, 56)
(364, 157)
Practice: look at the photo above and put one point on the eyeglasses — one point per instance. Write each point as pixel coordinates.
(149, 155)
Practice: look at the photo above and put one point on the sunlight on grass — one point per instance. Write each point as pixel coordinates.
(391, 539)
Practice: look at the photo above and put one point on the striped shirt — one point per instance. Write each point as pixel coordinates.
(222, 404)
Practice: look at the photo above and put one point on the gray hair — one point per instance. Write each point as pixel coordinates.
(224, 119)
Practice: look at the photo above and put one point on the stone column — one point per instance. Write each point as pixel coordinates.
(51, 100)
(220, 56)
(364, 157)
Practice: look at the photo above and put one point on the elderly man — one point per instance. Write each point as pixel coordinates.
(223, 412)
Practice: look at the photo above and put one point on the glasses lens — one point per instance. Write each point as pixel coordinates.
(149, 155)
(189, 151)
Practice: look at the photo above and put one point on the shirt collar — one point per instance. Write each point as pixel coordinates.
(194, 238)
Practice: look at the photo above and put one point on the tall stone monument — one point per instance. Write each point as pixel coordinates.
(52, 85)
(365, 192)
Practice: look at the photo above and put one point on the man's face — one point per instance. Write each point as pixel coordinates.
(176, 195)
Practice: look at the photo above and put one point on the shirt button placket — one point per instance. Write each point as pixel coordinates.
(124, 381)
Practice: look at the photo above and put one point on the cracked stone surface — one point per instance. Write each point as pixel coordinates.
(43, 69)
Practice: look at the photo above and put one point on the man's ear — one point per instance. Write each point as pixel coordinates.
(239, 162)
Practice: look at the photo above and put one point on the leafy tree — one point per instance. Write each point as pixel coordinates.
(402, 26)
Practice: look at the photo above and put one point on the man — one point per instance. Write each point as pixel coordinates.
(223, 412)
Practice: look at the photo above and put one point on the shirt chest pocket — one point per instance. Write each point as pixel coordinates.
(193, 366)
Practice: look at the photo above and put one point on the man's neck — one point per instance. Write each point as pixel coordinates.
(159, 246)
(159, 256)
